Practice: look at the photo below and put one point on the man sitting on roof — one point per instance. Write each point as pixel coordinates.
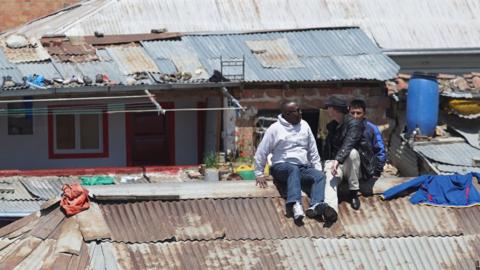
(372, 149)
(295, 161)
(343, 159)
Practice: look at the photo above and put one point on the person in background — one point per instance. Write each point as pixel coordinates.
(341, 152)
(295, 161)
(372, 149)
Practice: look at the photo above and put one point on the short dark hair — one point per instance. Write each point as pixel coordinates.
(358, 103)
(286, 103)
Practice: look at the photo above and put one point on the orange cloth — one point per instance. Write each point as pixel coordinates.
(74, 199)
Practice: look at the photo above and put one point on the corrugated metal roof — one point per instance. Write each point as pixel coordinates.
(323, 54)
(19, 208)
(91, 69)
(8, 69)
(46, 188)
(14, 190)
(453, 153)
(132, 59)
(419, 25)
(275, 53)
(425, 245)
(449, 169)
(176, 56)
(254, 218)
(378, 253)
(32, 53)
(70, 50)
(47, 70)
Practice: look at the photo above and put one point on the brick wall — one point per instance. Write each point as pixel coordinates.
(17, 12)
(312, 98)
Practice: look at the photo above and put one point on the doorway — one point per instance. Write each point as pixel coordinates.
(150, 138)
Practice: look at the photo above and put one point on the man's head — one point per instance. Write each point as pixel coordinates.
(336, 108)
(357, 109)
(291, 112)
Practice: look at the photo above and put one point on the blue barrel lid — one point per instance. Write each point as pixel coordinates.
(426, 75)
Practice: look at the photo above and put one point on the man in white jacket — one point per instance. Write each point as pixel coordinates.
(295, 161)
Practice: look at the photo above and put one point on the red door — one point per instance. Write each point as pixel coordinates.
(150, 138)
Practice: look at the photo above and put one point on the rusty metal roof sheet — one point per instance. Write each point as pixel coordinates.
(70, 49)
(301, 253)
(132, 59)
(46, 188)
(417, 237)
(417, 26)
(254, 218)
(32, 53)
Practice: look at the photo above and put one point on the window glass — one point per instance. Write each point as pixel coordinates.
(89, 131)
(65, 131)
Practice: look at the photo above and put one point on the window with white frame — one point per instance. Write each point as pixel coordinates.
(77, 133)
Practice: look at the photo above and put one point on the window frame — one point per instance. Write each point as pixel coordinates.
(24, 118)
(55, 153)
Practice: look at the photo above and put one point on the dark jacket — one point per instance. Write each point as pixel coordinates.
(374, 138)
(342, 138)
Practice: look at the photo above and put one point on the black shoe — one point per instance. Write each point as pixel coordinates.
(315, 210)
(355, 200)
(329, 216)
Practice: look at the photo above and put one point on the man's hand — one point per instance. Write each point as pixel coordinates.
(261, 181)
(335, 167)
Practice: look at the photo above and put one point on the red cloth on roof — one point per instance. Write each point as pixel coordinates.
(75, 199)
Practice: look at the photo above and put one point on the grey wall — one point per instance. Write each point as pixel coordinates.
(453, 64)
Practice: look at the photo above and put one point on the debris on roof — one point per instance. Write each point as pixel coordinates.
(32, 52)
(72, 49)
(294, 56)
(466, 86)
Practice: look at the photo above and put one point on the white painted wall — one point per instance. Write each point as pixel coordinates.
(186, 134)
(31, 151)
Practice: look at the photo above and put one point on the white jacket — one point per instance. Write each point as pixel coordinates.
(287, 143)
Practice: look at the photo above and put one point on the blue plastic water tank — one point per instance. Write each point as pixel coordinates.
(422, 103)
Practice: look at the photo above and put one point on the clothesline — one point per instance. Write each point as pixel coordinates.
(109, 109)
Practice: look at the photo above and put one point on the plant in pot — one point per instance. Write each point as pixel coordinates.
(211, 167)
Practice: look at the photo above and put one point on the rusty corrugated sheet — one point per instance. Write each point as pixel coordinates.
(302, 253)
(32, 53)
(132, 59)
(185, 220)
(73, 49)
(263, 218)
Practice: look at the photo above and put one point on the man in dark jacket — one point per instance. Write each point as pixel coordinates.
(372, 149)
(342, 142)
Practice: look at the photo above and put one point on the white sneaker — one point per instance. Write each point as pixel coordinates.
(298, 211)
